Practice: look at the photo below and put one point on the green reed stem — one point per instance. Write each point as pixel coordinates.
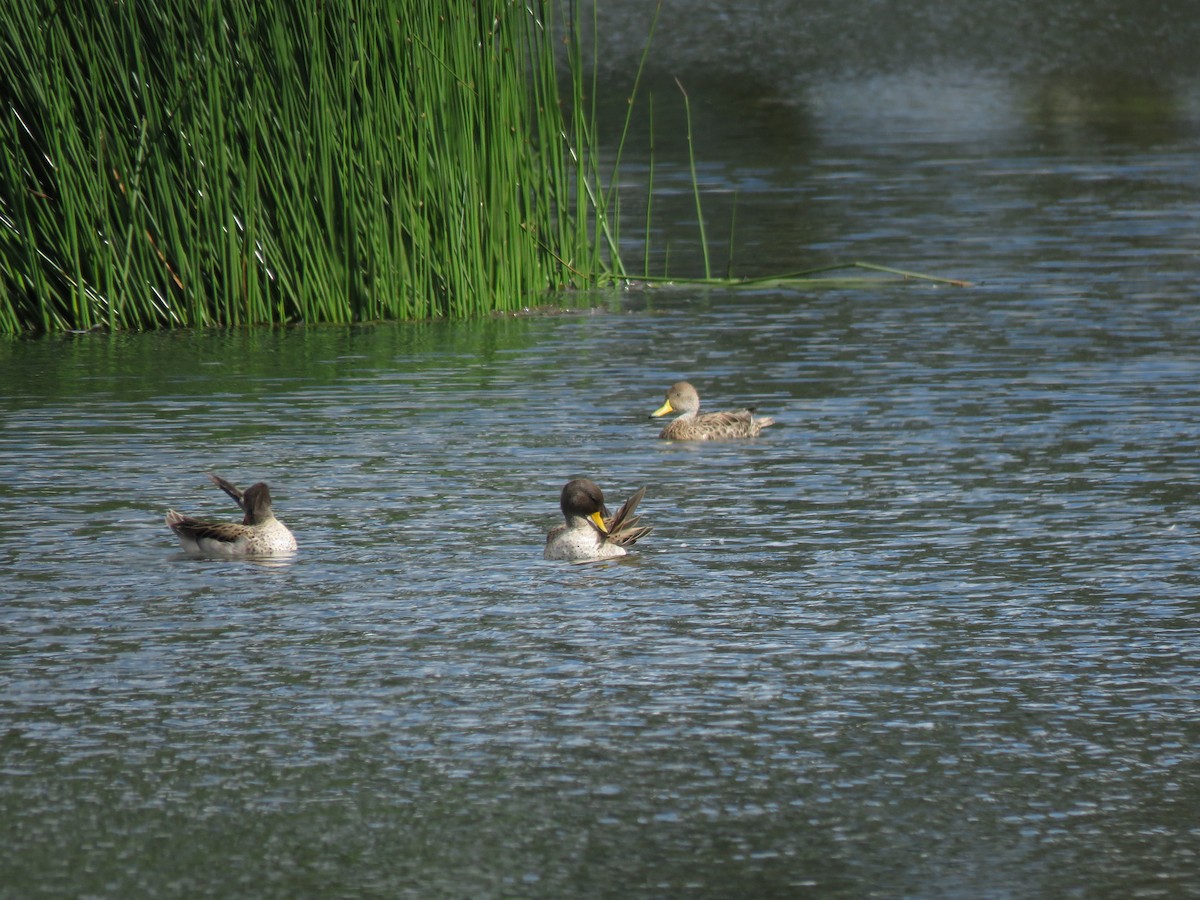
(810, 277)
(732, 234)
(687, 109)
(649, 192)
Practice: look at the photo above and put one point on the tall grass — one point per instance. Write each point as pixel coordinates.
(196, 162)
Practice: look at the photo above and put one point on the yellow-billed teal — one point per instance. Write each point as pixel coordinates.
(691, 426)
(259, 533)
(589, 532)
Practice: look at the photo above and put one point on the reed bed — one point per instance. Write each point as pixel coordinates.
(225, 163)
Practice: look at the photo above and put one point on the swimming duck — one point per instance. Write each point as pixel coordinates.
(258, 534)
(691, 426)
(589, 532)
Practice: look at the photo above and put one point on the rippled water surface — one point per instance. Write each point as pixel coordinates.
(936, 634)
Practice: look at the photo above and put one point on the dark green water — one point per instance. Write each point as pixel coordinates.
(937, 634)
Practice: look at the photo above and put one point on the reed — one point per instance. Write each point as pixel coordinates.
(236, 162)
(687, 107)
(814, 277)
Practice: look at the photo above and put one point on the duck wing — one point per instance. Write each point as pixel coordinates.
(230, 489)
(623, 527)
(199, 530)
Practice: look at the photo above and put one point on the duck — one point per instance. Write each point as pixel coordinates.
(690, 425)
(589, 532)
(259, 534)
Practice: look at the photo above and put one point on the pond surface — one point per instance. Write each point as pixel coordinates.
(936, 634)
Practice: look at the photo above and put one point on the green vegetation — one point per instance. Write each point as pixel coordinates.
(234, 162)
(816, 276)
(185, 163)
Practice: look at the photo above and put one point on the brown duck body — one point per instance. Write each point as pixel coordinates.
(259, 534)
(588, 532)
(691, 425)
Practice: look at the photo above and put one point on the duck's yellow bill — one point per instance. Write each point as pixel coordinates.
(599, 522)
(663, 410)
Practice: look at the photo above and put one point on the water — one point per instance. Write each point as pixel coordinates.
(936, 634)
(779, 43)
